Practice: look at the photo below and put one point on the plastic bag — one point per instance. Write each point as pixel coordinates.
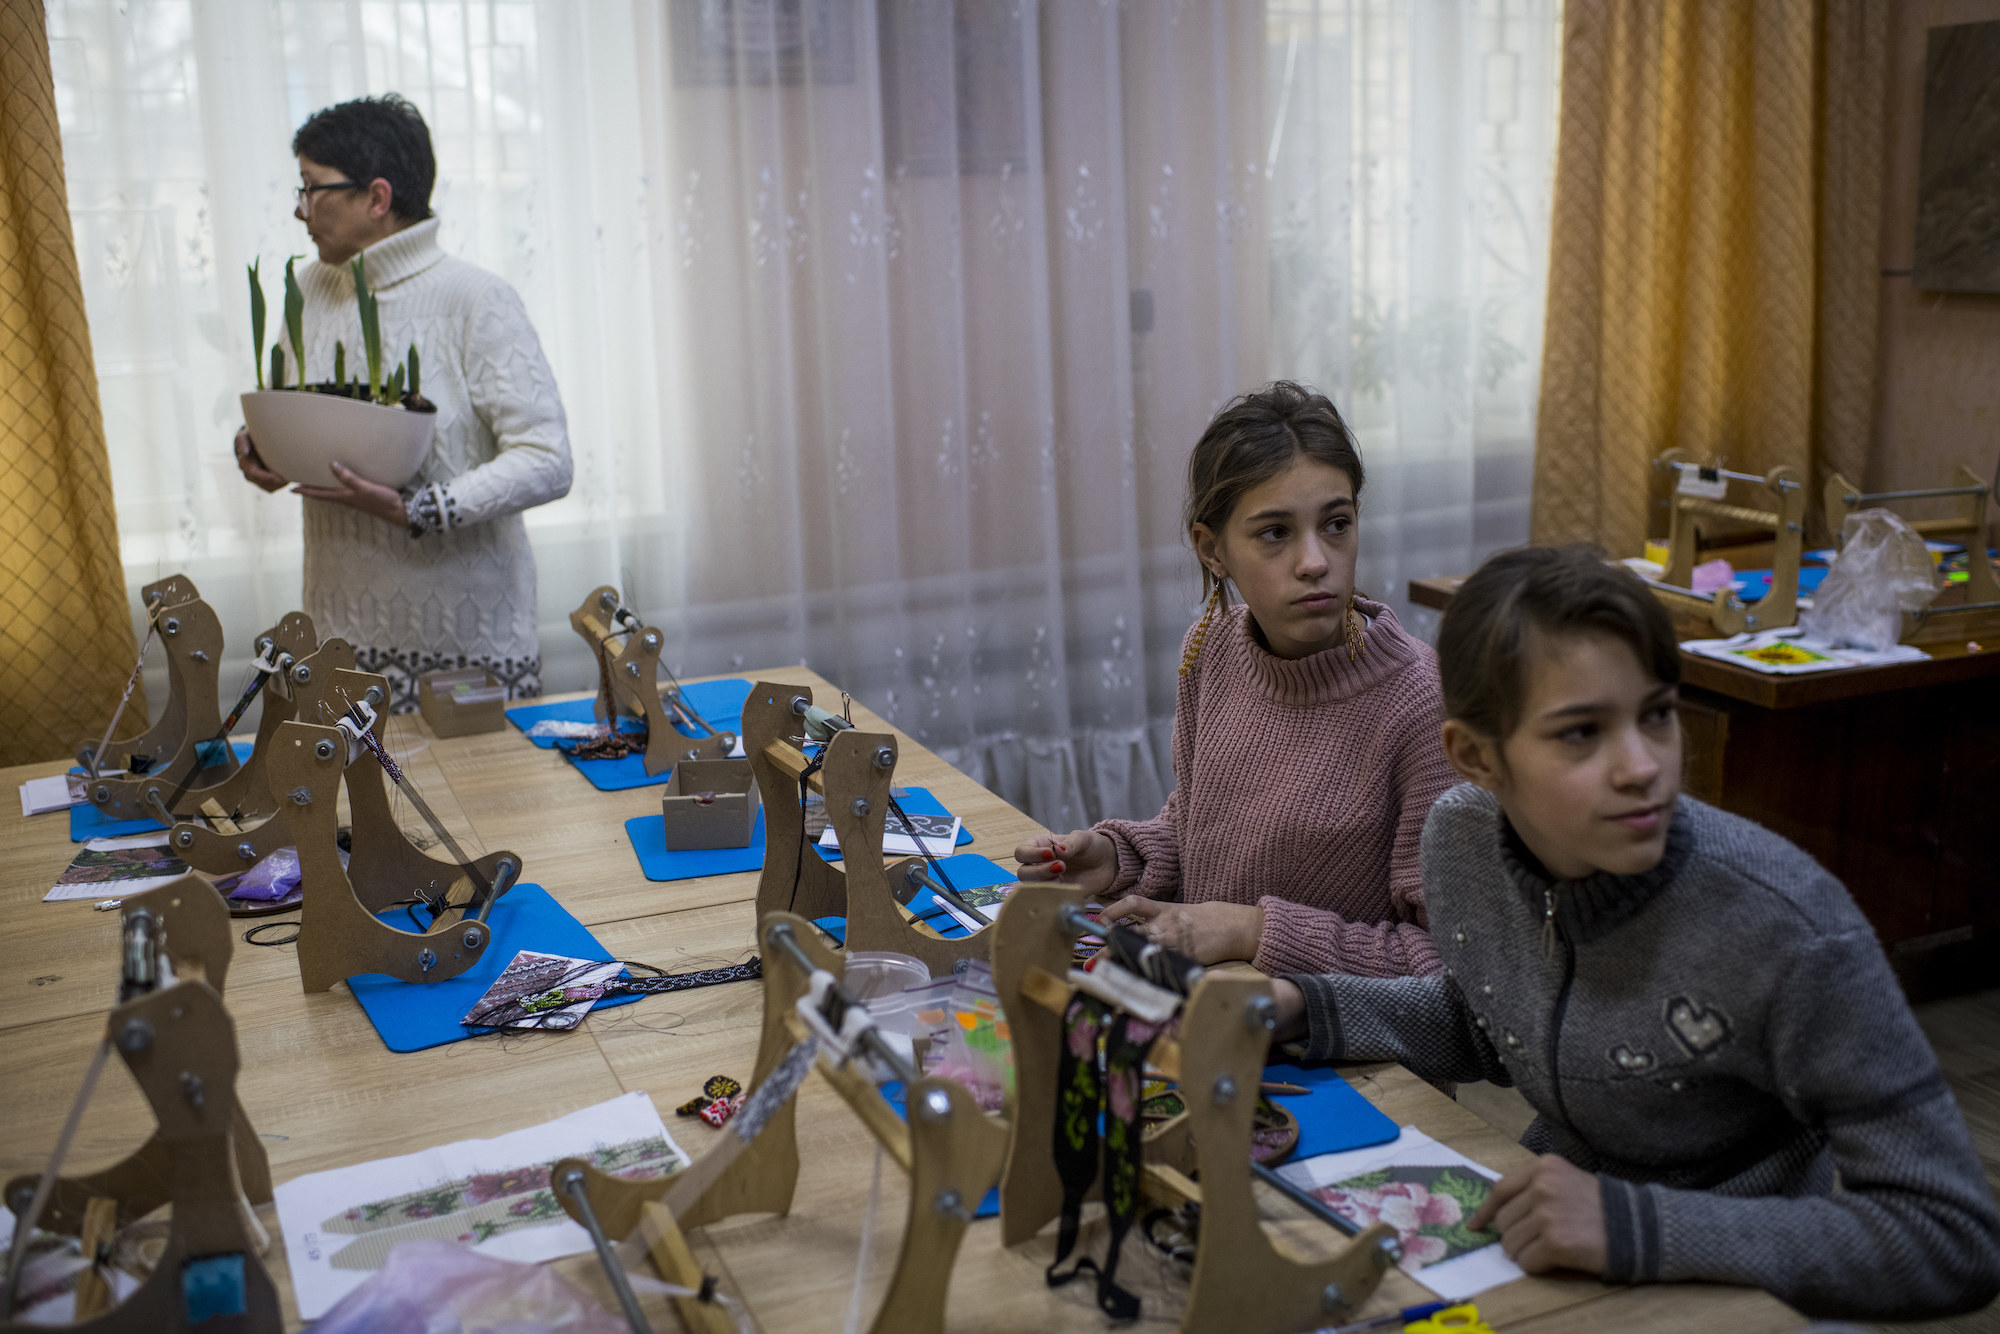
(1883, 570)
(440, 1287)
(269, 880)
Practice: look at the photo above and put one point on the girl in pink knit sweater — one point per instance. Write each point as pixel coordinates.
(1306, 732)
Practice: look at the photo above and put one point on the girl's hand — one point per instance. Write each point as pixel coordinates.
(1205, 932)
(1550, 1215)
(1291, 1003)
(251, 464)
(357, 492)
(1085, 858)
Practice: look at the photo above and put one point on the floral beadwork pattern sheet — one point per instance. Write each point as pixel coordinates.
(491, 1194)
(1426, 1192)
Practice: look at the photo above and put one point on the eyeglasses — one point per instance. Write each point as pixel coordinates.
(305, 193)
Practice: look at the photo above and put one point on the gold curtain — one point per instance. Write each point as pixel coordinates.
(1712, 284)
(66, 640)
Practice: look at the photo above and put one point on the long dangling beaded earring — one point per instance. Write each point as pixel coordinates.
(1201, 628)
(1357, 642)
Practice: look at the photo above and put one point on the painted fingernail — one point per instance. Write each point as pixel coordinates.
(1056, 867)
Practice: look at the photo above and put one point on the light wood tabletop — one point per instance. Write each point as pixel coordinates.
(324, 1092)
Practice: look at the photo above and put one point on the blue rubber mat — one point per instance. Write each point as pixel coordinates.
(87, 822)
(649, 840)
(411, 1016)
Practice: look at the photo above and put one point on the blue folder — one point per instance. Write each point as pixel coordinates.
(648, 835)
(968, 870)
(720, 702)
(87, 822)
(411, 1016)
(1333, 1118)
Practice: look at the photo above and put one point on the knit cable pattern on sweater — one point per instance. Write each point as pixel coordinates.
(465, 588)
(1302, 786)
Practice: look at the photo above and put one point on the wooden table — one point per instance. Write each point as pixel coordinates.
(1888, 776)
(324, 1092)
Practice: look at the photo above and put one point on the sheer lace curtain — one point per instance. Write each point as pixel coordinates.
(884, 326)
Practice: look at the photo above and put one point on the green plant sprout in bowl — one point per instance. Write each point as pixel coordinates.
(380, 427)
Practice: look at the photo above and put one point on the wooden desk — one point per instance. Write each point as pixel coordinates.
(324, 1092)
(1888, 776)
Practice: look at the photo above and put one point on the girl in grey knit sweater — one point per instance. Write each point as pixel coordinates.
(1729, 1084)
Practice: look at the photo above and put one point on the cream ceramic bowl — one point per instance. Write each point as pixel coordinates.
(297, 434)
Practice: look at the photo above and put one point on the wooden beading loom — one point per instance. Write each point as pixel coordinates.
(226, 845)
(204, 1158)
(853, 774)
(1941, 620)
(339, 933)
(950, 1149)
(627, 654)
(161, 738)
(172, 751)
(1244, 1279)
(1729, 614)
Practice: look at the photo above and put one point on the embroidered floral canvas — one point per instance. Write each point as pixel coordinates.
(1428, 1207)
(1426, 1191)
(491, 1194)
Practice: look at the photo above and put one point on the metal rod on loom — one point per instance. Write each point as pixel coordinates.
(1784, 484)
(576, 1188)
(97, 755)
(781, 939)
(1863, 497)
(481, 889)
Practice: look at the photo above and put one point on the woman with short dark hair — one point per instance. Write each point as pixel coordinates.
(439, 574)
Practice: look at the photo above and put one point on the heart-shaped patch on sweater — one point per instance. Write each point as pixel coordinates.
(1699, 1029)
(1632, 1062)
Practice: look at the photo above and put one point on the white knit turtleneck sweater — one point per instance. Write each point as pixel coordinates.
(462, 593)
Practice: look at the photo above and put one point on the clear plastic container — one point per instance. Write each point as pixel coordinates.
(874, 973)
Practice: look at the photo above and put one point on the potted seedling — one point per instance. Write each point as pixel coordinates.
(379, 427)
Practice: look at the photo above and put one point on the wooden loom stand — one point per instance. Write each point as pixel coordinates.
(950, 1149)
(165, 734)
(1842, 498)
(1244, 1279)
(204, 1157)
(854, 780)
(1730, 615)
(193, 643)
(339, 934)
(632, 672)
(221, 850)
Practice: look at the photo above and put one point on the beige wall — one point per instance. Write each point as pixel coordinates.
(1939, 359)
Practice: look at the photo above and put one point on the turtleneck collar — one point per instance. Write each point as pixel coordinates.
(1329, 674)
(403, 256)
(1595, 905)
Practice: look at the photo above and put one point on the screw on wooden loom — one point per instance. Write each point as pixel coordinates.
(474, 938)
(884, 757)
(935, 1106)
(301, 795)
(323, 748)
(860, 808)
(191, 1089)
(1260, 1015)
(247, 851)
(1224, 1091)
(184, 838)
(135, 1037)
(302, 673)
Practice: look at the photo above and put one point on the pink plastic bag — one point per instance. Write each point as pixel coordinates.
(440, 1287)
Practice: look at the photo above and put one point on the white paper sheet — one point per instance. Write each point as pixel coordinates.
(492, 1194)
(39, 796)
(1796, 654)
(940, 838)
(1456, 1279)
